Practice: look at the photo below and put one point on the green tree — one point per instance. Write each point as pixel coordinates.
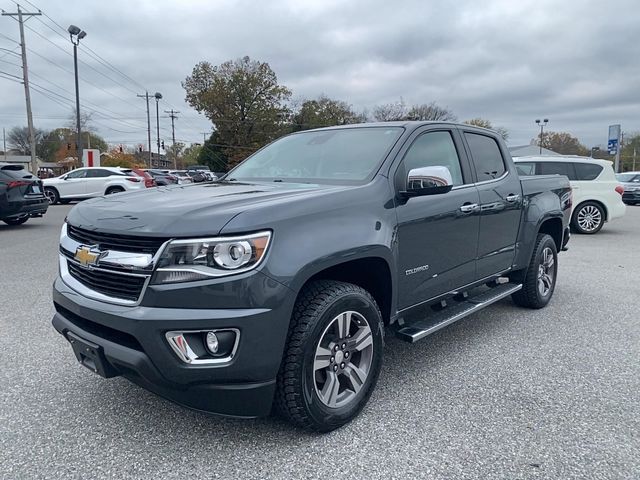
(174, 153)
(214, 154)
(481, 122)
(190, 155)
(324, 112)
(561, 142)
(61, 142)
(243, 100)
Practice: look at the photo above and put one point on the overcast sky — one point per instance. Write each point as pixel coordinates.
(576, 63)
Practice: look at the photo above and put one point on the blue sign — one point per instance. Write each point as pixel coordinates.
(612, 146)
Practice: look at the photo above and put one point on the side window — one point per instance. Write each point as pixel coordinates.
(587, 171)
(80, 173)
(526, 168)
(486, 156)
(434, 149)
(557, 168)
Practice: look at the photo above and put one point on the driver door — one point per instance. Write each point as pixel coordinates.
(437, 234)
(74, 184)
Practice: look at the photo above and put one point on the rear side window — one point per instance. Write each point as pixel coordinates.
(526, 168)
(557, 168)
(587, 171)
(486, 155)
(14, 172)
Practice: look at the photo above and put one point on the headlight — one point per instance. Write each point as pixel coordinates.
(202, 258)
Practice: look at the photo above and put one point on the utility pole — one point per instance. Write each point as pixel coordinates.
(173, 116)
(25, 76)
(204, 137)
(146, 96)
(4, 149)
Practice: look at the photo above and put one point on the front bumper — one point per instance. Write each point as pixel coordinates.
(133, 344)
(631, 196)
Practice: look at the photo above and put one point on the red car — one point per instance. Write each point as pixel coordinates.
(149, 181)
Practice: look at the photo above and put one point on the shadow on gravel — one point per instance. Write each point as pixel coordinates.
(122, 406)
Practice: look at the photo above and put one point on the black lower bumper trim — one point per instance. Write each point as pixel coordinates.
(236, 399)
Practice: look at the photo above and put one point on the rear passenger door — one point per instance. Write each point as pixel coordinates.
(96, 181)
(500, 203)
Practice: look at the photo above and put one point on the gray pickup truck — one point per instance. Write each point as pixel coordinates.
(273, 286)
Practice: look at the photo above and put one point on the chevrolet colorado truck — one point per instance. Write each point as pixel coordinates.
(273, 286)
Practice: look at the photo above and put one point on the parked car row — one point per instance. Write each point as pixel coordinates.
(597, 194)
(89, 182)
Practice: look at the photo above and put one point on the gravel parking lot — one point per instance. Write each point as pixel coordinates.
(507, 393)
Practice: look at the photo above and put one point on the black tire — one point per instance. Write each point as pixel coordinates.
(52, 194)
(318, 307)
(64, 202)
(588, 218)
(112, 190)
(530, 295)
(16, 221)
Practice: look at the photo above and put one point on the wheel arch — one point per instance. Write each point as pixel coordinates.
(371, 272)
(553, 226)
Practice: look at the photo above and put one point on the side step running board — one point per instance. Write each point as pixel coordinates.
(417, 331)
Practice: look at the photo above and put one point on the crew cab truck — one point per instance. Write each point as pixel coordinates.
(273, 286)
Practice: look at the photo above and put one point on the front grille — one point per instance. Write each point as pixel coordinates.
(112, 284)
(110, 241)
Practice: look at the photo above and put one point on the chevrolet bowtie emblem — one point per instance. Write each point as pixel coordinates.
(88, 255)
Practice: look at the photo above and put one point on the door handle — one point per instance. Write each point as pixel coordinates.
(469, 207)
(512, 197)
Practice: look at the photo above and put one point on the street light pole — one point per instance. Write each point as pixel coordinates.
(158, 96)
(542, 124)
(79, 35)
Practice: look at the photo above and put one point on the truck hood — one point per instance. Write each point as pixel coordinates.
(183, 211)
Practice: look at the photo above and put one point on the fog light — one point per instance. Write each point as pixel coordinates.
(212, 343)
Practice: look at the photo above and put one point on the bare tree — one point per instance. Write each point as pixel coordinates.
(481, 122)
(18, 139)
(390, 112)
(431, 111)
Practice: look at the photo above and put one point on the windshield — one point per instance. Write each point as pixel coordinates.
(626, 177)
(339, 155)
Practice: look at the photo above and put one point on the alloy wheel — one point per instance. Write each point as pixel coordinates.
(51, 196)
(546, 272)
(589, 218)
(343, 358)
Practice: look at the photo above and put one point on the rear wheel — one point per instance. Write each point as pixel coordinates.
(52, 195)
(539, 279)
(112, 190)
(16, 221)
(588, 218)
(333, 356)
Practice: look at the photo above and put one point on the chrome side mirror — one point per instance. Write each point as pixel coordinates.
(428, 181)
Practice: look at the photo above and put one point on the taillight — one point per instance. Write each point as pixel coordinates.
(171, 177)
(133, 179)
(17, 183)
(620, 189)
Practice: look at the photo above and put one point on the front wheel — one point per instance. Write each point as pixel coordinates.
(588, 218)
(539, 279)
(333, 356)
(52, 195)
